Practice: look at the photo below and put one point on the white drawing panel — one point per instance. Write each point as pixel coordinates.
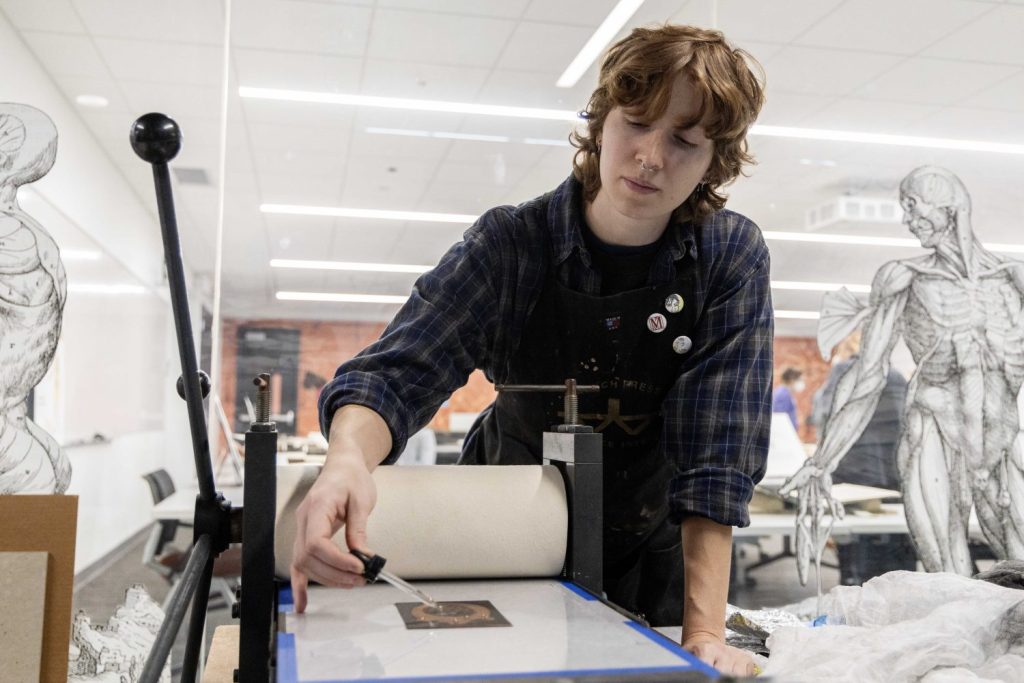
(350, 635)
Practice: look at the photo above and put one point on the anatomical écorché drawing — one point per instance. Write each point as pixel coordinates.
(958, 309)
(33, 289)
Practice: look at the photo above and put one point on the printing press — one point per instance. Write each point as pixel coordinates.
(518, 588)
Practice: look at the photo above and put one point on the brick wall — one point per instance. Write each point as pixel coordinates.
(322, 347)
(325, 345)
(801, 353)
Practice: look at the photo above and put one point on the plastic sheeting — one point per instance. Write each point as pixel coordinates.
(908, 626)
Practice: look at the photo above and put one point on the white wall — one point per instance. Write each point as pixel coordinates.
(117, 361)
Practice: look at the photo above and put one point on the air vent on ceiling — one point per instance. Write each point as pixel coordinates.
(191, 176)
(853, 209)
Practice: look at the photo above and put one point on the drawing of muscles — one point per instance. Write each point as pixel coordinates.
(33, 288)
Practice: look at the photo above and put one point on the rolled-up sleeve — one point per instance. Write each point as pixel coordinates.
(718, 413)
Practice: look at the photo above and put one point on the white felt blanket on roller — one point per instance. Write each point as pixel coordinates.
(449, 522)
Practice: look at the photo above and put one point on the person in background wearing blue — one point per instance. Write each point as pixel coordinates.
(782, 398)
(631, 275)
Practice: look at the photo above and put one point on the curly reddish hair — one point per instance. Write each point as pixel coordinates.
(637, 74)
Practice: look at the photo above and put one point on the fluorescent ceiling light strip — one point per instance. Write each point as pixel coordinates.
(840, 239)
(608, 29)
(348, 265)
(829, 238)
(798, 315)
(343, 212)
(568, 115)
(886, 139)
(83, 288)
(547, 141)
(437, 134)
(406, 103)
(342, 298)
(399, 131)
(818, 286)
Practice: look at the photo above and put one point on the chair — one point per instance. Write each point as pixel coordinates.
(169, 561)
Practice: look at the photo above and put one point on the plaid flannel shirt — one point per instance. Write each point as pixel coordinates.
(470, 312)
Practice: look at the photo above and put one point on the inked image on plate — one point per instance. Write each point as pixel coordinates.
(472, 614)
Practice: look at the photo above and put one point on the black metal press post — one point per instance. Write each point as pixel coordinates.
(575, 449)
(256, 604)
(156, 139)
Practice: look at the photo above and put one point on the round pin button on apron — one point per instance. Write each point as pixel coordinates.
(656, 322)
(682, 344)
(674, 303)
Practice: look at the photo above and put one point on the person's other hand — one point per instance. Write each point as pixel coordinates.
(343, 494)
(727, 659)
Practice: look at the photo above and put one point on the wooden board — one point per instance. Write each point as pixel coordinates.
(47, 524)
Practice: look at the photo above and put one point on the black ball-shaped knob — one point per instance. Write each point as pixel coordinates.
(204, 385)
(156, 138)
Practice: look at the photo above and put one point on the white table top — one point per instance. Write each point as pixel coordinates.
(348, 635)
(891, 520)
(181, 505)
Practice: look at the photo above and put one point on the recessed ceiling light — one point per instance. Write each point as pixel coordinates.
(386, 214)
(92, 101)
(347, 265)
(342, 298)
(604, 34)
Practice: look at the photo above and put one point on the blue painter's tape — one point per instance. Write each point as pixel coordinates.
(582, 592)
(287, 670)
(674, 648)
(285, 602)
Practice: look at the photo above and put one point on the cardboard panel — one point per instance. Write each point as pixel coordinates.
(47, 524)
(22, 599)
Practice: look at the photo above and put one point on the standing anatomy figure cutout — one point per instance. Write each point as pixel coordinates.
(33, 289)
(959, 311)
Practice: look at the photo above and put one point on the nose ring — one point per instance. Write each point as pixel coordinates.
(645, 167)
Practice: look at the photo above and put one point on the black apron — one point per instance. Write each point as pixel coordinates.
(631, 344)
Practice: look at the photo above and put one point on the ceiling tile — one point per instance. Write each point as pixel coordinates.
(505, 9)
(545, 48)
(66, 55)
(73, 86)
(788, 109)
(54, 15)
(177, 101)
(1008, 94)
(779, 21)
(454, 40)
(891, 27)
(416, 80)
(995, 37)
(151, 61)
(579, 12)
(817, 71)
(928, 81)
(296, 71)
(310, 27)
(975, 124)
(190, 21)
(872, 116)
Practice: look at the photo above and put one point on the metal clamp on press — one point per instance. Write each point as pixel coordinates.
(576, 451)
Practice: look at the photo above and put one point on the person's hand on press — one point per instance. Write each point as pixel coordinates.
(712, 650)
(343, 494)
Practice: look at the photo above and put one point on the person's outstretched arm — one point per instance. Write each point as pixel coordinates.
(343, 494)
